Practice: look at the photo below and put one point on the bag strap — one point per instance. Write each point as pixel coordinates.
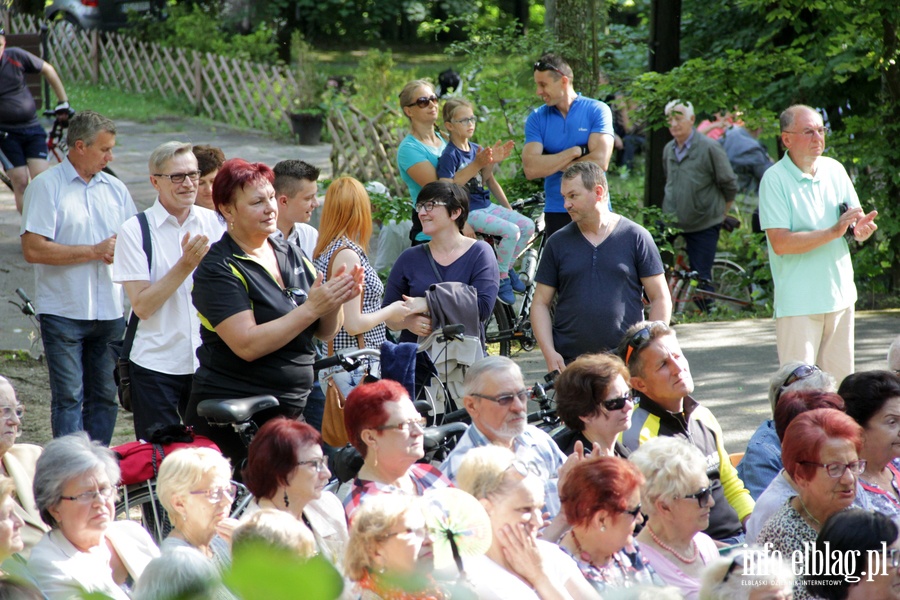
(361, 338)
(131, 329)
(434, 268)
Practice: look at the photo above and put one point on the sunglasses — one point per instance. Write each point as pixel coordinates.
(613, 404)
(424, 101)
(634, 513)
(640, 337)
(506, 399)
(702, 497)
(543, 66)
(523, 468)
(801, 372)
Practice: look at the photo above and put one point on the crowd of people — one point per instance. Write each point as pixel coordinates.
(234, 294)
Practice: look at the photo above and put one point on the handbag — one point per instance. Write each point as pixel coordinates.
(139, 461)
(121, 349)
(334, 431)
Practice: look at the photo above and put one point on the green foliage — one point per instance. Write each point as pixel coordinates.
(309, 95)
(260, 572)
(117, 104)
(201, 27)
(377, 83)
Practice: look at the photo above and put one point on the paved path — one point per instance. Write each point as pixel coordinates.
(731, 362)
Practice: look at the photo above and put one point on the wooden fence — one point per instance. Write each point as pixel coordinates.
(233, 91)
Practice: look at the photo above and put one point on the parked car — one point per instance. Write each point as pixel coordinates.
(107, 15)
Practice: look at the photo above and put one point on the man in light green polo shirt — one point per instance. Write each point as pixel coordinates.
(800, 207)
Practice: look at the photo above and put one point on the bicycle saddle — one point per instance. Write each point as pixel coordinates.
(435, 436)
(236, 410)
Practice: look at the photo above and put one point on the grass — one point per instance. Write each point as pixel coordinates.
(118, 104)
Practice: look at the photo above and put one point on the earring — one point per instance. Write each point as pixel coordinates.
(231, 225)
(603, 528)
(376, 461)
(286, 501)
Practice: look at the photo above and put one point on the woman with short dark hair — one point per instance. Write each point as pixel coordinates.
(260, 307)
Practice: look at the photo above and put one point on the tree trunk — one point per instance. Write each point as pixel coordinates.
(578, 24)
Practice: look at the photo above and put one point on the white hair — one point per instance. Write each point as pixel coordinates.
(679, 105)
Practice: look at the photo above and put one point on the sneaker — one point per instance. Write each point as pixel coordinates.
(515, 282)
(505, 294)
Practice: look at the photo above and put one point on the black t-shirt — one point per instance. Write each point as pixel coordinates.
(228, 282)
(17, 107)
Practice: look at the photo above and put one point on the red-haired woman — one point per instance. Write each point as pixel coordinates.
(820, 452)
(344, 232)
(260, 306)
(384, 426)
(601, 499)
(287, 470)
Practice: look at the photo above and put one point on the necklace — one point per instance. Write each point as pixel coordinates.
(660, 543)
(808, 514)
(583, 555)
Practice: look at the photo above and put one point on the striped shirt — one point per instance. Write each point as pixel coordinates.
(424, 477)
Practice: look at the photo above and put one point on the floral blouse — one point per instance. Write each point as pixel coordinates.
(626, 569)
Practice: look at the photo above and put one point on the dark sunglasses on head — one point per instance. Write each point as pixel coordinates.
(640, 337)
(801, 372)
(424, 101)
(612, 404)
(702, 497)
(545, 66)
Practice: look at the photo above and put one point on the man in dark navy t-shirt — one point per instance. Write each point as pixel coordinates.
(25, 142)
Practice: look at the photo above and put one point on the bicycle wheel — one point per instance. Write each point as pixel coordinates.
(681, 297)
(140, 504)
(733, 293)
(498, 331)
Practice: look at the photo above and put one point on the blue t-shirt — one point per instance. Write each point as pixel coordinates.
(452, 160)
(547, 126)
(411, 152)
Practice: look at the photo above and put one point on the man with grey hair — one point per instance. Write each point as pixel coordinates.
(661, 376)
(71, 215)
(700, 187)
(809, 210)
(497, 400)
(163, 357)
(762, 459)
(597, 267)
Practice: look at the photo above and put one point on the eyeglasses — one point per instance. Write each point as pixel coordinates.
(702, 497)
(8, 411)
(215, 495)
(417, 532)
(544, 66)
(466, 121)
(424, 101)
(836, 470)
(640, 337)
(104, 494)
(506, 399)
(405, 426)
(634, 513)
(319, 464)
(296, 295)
(894, 557)
(524, 468)
(821, 131)
(801, 372)
(428, 206)
(178, 178)
(612, 404)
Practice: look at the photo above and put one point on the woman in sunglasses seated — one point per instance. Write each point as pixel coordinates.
(765, 578)
(517, 565)
(450, 256)
(820, 451)
(287, 470)
(194, 486)
(594, 400)
(677, 499)
(419, 151)
(601, 499)
(386, 429)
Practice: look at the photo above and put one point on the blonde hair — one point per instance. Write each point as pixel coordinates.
(484, 471)
(407, 95)
(670, 466)
(347, 211)
(371, 525)
(452, 104)
(275, 528)
(184, 469)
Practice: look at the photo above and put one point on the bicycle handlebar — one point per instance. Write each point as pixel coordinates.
(349, 360)
(537, 198)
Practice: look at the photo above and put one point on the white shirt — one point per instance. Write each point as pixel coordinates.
(65, 209)
(303, 235)
(166, 342)
(493, 582)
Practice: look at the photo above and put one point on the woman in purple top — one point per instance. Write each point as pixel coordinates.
(442, 208)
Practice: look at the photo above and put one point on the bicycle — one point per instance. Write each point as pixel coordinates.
(57, 146)
(505, 325)
(34, 336)
(5, 165)
(731, 294)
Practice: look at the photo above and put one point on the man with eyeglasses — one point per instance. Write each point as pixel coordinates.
(809, 209)
(662, 377)
(497, 400)
(163, 358)
(700, 187)
(69, 223)
(569, 128)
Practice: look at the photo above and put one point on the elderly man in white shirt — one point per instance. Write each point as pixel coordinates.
(163, 358)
